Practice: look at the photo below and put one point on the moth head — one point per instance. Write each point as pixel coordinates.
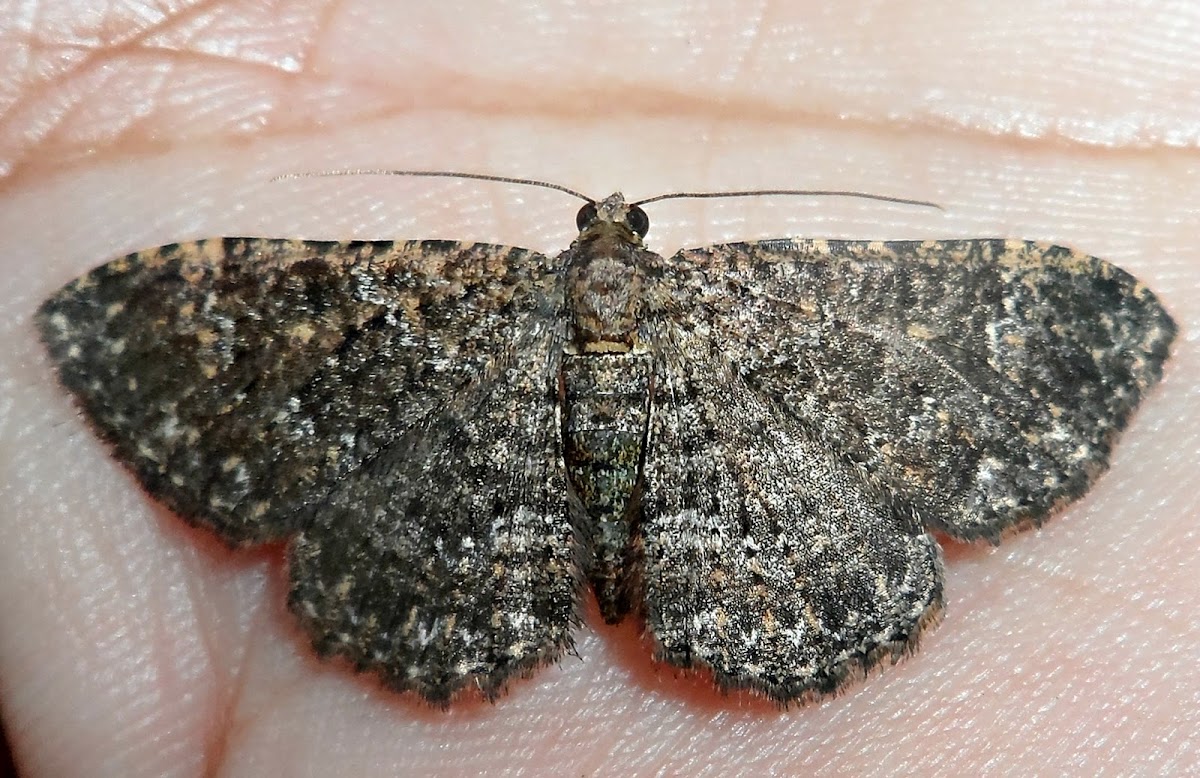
(613, 213)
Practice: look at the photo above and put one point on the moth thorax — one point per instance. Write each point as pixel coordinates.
(605, 299)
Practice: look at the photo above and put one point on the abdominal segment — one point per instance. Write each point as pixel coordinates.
(605, 415)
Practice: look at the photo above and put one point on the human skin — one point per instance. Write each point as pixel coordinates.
(132, 645)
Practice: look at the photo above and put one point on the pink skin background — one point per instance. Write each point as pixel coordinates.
(132, 645)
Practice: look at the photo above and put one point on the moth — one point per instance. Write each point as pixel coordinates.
(747, 445)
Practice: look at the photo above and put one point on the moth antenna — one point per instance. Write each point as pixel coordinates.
(796, 192)
(585, 198)
(436, 174)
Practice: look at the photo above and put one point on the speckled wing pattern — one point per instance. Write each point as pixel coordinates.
(982, 381)
(257, 387)
(767, 557)
(749, 444)
(825, 402)
(462, 568)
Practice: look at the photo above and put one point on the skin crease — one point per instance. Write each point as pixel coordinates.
(133, 645)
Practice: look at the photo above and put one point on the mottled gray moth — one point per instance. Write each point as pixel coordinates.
(746, 445)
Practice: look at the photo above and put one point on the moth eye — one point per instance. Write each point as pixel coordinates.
(586, 215)
(637, 220)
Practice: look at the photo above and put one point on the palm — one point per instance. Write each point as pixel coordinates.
(130, 644)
